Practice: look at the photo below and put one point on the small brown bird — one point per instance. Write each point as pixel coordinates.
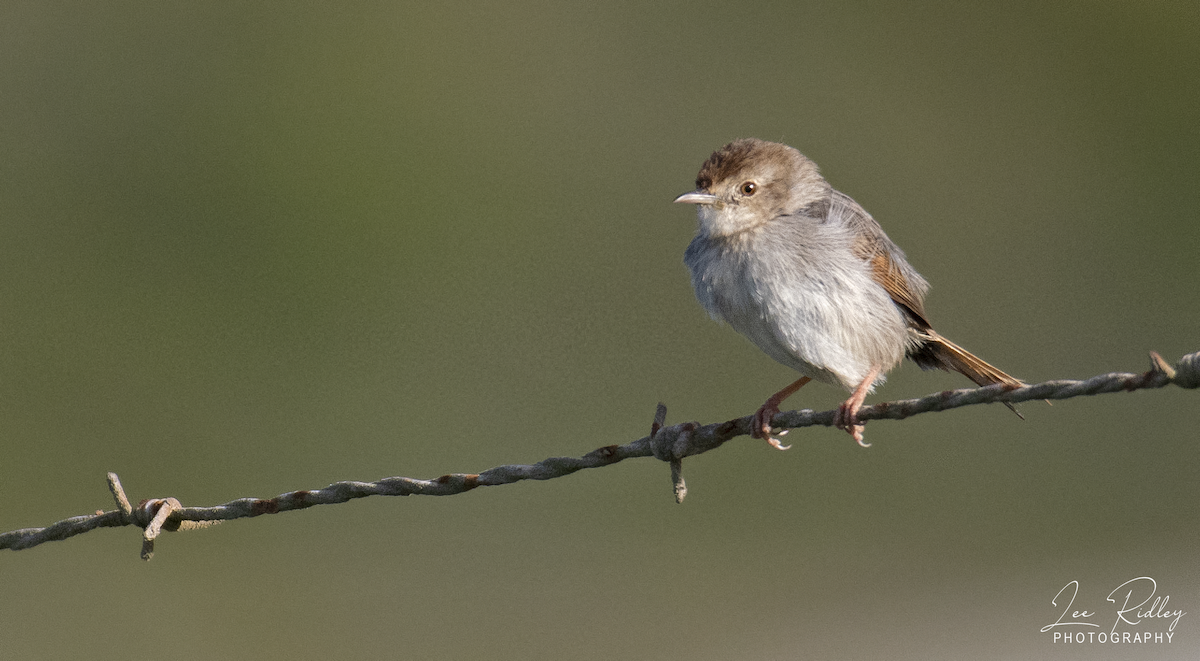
(809, 276)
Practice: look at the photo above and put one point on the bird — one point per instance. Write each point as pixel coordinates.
(809, 277)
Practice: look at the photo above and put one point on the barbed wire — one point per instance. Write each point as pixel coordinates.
(668, 443)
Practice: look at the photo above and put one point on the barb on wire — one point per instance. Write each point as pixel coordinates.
(669, 443)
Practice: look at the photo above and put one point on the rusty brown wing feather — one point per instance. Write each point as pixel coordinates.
(931, 350)
(885, 272)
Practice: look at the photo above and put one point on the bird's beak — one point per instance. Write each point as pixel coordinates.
(696, 197)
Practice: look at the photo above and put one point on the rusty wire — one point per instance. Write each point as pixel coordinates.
(668, 443)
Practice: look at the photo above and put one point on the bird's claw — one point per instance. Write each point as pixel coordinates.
(761, 427)
(776, 444)
(846, 419)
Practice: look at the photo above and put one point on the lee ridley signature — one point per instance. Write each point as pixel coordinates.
(1132, 607)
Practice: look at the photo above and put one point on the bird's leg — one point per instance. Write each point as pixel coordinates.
(846, 418)
(761, 426)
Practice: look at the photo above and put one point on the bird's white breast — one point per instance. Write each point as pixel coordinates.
(796, 290)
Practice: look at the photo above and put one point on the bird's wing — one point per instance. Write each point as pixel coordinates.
(888, 267)
(889, 276)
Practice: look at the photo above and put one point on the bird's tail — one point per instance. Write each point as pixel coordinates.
(936, 352)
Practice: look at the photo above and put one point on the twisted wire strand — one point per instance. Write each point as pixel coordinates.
(668, 443)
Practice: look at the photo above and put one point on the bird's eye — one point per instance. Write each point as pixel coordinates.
(748, 188)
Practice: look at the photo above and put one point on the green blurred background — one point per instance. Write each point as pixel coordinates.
(250, 248)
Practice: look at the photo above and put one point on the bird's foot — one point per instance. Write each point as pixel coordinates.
(760, 427)
(846, 419)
